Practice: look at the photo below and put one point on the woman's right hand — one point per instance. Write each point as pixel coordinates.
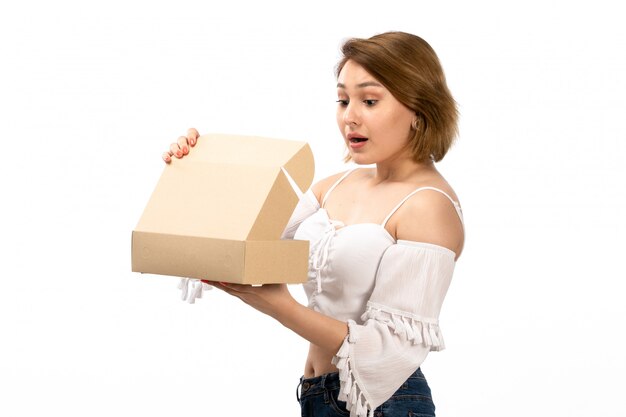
(182, 146)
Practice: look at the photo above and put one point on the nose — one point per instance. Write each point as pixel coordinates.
(351, 115)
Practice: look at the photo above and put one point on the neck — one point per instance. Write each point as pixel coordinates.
(400, 170)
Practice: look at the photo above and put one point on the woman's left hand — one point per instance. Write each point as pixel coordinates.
(272, 299)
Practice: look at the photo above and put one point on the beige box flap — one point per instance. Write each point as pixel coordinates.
(230, 187)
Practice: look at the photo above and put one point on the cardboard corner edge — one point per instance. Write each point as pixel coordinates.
(301, 167)
(134, 267)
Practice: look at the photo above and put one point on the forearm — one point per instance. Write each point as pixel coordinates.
(276, 301)
(323, 331)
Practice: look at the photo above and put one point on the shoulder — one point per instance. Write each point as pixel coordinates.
(429, 216)
(321, 187)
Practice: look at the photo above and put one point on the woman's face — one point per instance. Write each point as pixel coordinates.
(375, 125)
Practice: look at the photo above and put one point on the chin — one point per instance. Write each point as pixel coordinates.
(362, 159)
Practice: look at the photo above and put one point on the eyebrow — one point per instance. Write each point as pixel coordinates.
(362, 85)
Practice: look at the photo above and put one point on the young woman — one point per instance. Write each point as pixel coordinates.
(384, 240)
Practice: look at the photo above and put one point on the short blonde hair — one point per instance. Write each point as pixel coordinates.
(409, 68)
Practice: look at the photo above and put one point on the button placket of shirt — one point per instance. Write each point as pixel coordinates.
(320, 256)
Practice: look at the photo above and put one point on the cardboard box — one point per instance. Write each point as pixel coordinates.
(219, 212)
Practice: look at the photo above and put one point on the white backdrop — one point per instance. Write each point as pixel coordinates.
(90, 95)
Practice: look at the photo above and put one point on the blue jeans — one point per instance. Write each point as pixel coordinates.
(318, 398)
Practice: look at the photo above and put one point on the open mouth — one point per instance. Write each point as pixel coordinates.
(357, 140)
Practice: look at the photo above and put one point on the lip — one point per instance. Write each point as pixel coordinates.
(357, 145)
(354, 135)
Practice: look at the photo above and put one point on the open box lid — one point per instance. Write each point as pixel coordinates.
(230, 187)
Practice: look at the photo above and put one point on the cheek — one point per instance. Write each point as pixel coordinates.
(402, 125)
(393, 124)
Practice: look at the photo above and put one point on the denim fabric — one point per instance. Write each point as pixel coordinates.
(318, 398)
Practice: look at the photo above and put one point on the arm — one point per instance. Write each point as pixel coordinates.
(432, 219)
(400, 325)
(323, 331)
(276, 301)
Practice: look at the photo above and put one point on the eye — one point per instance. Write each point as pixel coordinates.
(343, 103)
(370, 103)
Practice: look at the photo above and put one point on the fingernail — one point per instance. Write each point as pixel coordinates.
(185, 150)
(179, 154)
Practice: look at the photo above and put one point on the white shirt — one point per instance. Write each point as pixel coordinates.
(389, 292)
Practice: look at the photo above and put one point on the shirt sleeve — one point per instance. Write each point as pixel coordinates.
(399, 327)
(307, 205)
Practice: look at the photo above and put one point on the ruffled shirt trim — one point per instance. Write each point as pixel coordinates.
(357, 400)
(420, 330)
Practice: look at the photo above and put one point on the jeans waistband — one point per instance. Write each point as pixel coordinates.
(317, 385)
(320, 384)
